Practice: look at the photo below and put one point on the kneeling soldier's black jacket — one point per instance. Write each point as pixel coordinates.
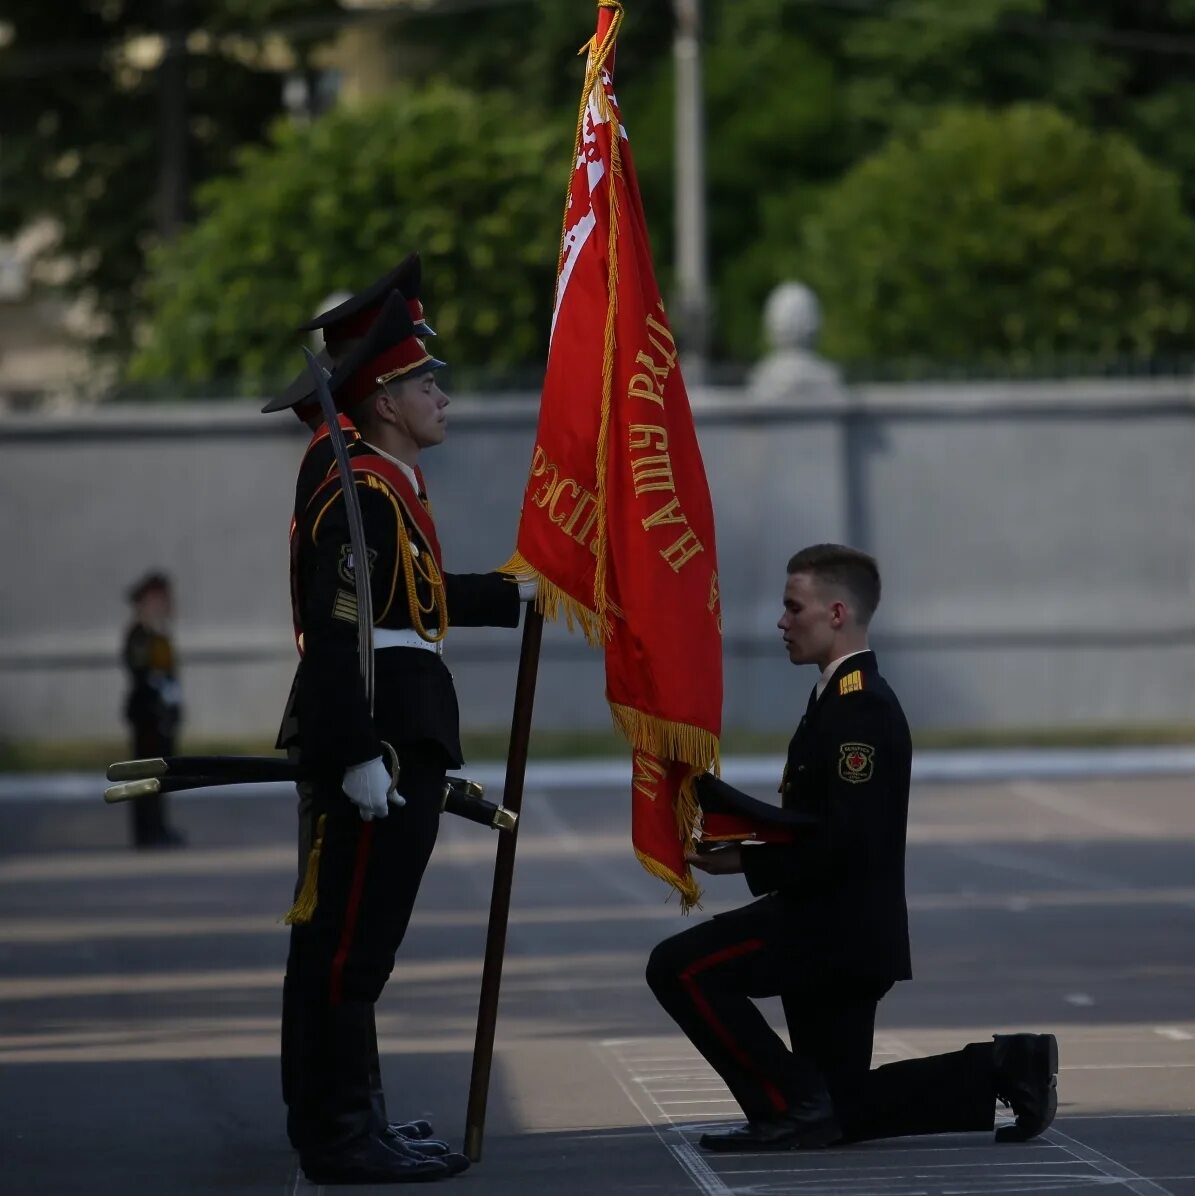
(842, 877)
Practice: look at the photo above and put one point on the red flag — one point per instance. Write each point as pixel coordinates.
(617, 520)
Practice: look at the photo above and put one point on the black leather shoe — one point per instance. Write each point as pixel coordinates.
(370, 1161)
(430, 1147)
(805, 1126)
(411, 1129)
(1025, 1072)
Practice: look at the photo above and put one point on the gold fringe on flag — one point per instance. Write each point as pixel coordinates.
(667, 739)
(303, 909)
(686, 886)
(555, 604)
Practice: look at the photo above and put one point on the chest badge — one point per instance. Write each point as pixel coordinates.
(345, 566)
(856, 762)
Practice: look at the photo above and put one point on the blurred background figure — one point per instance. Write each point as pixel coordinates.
(153, 705)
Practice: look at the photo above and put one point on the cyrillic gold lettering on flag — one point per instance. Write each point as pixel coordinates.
(617, 521)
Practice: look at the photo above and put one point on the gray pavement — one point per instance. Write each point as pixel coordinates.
(139, 999)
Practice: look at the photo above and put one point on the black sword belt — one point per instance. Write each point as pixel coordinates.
(172, 774)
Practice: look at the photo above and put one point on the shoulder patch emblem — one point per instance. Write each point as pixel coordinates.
(852, 683)
(856, 762)
(344, 567)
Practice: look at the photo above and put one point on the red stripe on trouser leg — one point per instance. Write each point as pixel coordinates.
(703, 1007)
(350, 913)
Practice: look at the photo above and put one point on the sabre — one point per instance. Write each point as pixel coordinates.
(352, 508)
(459, 796)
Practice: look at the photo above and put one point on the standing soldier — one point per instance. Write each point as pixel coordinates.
(371, 839)
(829, 933)
(153, 706)
(343, 327)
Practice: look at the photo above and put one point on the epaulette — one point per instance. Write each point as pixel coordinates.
(852, 683)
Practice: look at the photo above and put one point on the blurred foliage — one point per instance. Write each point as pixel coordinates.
(799, 93)
(331, 205)
(81, 126)
(1013, 235)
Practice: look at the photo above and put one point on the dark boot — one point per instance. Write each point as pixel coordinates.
(369, 1161)
(304, 1061)
(1025, 1071)
(805, 1125)
(339, 1139)
(413, 1130)
(405, 1136)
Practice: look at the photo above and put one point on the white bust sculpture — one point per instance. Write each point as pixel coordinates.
(792, 371)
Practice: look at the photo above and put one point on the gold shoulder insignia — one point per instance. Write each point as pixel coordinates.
(852, 683)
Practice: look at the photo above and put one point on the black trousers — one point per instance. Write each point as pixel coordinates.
(148, 814)
(706, 978)
(339, 962)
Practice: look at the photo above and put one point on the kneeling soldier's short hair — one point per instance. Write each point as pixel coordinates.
(848, 568)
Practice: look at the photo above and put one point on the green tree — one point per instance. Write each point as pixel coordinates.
(1002, 237)
(462, 177)
(1107, 64)
(81, 142)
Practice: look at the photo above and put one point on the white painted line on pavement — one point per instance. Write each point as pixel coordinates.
(700, 1172)
(694, 1166)
(1123, 1066)
(1174, 1033)
(1116, 1172)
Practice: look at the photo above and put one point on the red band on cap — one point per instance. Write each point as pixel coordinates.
(394, 362)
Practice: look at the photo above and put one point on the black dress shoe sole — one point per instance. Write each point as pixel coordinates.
(812, 1137)
(1046, 1057)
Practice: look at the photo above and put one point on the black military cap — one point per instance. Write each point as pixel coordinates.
(301, 390)
(353, 318)
(390, 351)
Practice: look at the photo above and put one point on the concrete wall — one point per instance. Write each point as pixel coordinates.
(1037, 544)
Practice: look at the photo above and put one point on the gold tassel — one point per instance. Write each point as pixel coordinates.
(303, 909)
(686, 886)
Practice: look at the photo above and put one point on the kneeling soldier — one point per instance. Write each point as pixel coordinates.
(829, 933)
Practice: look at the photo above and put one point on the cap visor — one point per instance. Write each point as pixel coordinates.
(301, 388)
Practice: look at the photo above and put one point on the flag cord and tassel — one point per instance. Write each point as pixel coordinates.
(551, 600)
(605, 108)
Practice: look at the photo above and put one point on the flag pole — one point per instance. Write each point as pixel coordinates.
(504, 866)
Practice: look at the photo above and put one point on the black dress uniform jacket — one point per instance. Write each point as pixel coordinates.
(414, 696)
(843, 878)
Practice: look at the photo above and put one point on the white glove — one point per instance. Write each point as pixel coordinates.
(528, 590)
(368, 787)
